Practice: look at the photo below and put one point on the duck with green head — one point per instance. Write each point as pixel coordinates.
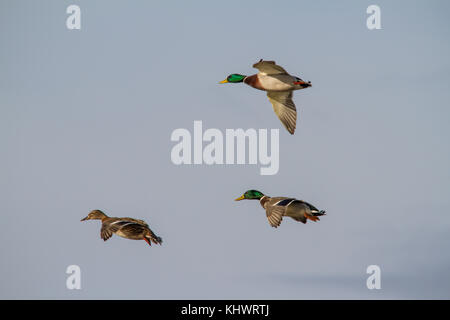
(278, 207)
(279, 86)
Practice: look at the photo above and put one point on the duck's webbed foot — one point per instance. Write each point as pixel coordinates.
(148, 241)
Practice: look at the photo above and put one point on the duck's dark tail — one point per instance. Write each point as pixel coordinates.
(314, 215)
(318, 213)
(157, 240)
(151, 237)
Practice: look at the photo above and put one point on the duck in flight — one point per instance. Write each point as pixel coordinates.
(279, 207)
(124, 227)
(279, 86)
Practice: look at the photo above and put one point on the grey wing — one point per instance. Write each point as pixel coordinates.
(285, 109)
(275, 215)
(269, 67)
(296, 210)
(311, 207)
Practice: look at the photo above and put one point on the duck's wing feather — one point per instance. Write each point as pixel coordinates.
(135, 220)
(284, 107)
(105, 232)
(133, 228)
(310, 206)
(274, 215)
(126, 225)
(269, 67)
(296, 210)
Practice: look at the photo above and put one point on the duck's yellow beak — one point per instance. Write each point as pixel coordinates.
(240, 198)
(224, 81)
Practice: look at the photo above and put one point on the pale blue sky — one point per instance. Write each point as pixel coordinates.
(85, 123)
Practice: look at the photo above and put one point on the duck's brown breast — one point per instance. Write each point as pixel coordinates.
(263, 201)
(254, 82)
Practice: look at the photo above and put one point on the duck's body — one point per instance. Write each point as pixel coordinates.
(299, 210)
(279, 207)
(276, 82)
(279, 85)
(128, 228)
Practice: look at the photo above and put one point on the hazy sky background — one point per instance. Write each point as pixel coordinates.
(85, 123)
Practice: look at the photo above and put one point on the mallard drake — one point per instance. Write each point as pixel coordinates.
(125, 227)
(278, 207)
(279, 86)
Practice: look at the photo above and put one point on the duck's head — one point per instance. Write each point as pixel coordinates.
(94, 215)
(234, 78)
(250, 195)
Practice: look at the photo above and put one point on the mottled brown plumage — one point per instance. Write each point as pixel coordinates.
(128, 228)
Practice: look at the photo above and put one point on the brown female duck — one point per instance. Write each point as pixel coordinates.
(124, 227)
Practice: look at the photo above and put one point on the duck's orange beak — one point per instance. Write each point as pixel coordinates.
(224, 81)
(240, 198)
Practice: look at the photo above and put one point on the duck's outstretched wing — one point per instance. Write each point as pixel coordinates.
(275, 215)
(105, 232)
(125, 225)
(269, 67)
(284, 107)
